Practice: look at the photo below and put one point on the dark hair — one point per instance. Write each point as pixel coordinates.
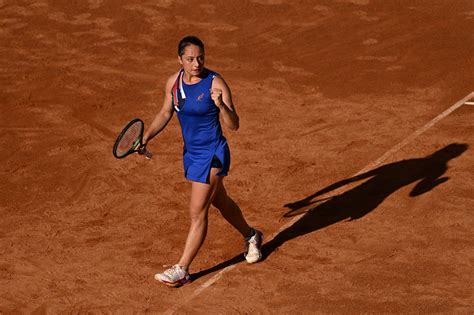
(189, 40)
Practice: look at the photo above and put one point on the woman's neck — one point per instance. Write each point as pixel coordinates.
(192, 79)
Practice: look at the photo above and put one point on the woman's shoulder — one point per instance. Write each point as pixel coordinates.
(171, 80)
(173, 77)
(218, 81)
(212, 74)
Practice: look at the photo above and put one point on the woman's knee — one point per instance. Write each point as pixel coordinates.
(198, 214)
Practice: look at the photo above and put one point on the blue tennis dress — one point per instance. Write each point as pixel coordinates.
(204, 142)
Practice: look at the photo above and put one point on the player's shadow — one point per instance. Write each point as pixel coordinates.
(357, 202)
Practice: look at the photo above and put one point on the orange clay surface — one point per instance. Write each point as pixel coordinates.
(323, 89)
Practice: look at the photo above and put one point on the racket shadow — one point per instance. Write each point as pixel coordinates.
(359, 201)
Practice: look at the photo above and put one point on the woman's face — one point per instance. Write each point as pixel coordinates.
(192, 60)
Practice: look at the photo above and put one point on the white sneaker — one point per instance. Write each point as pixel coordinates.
(174, 277)
(253, 247)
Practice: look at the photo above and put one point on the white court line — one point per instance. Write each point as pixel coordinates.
(468, 103)
(417, 133)
(370, 166)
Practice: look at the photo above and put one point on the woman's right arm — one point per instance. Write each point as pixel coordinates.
(164, 115)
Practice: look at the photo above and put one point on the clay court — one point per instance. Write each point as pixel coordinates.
(354, 157)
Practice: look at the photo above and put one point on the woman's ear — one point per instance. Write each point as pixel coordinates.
(180, 61)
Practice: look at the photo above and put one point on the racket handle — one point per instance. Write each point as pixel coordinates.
(142, 150)
(148, 154)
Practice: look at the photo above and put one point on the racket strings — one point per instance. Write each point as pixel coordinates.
(130, 139)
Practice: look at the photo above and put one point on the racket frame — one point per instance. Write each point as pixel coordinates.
(137, 144)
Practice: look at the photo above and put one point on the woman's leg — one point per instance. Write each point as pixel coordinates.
(201, 198)
(232, 213)
(230, 210)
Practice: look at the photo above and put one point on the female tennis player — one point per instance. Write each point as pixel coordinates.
(201, 98)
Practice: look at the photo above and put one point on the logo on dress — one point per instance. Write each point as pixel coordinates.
(200, 97)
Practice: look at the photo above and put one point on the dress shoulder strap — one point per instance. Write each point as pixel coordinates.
(177, 91)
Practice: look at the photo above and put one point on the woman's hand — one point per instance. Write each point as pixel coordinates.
(216, 95)
(221, 95)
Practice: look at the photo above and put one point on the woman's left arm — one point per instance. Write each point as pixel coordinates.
(221, 95)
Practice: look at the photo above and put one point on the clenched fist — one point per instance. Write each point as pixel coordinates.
(216, 95)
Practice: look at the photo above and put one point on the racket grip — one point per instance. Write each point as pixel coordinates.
(148, 154)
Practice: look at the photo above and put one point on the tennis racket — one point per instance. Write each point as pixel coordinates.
(130, 140)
